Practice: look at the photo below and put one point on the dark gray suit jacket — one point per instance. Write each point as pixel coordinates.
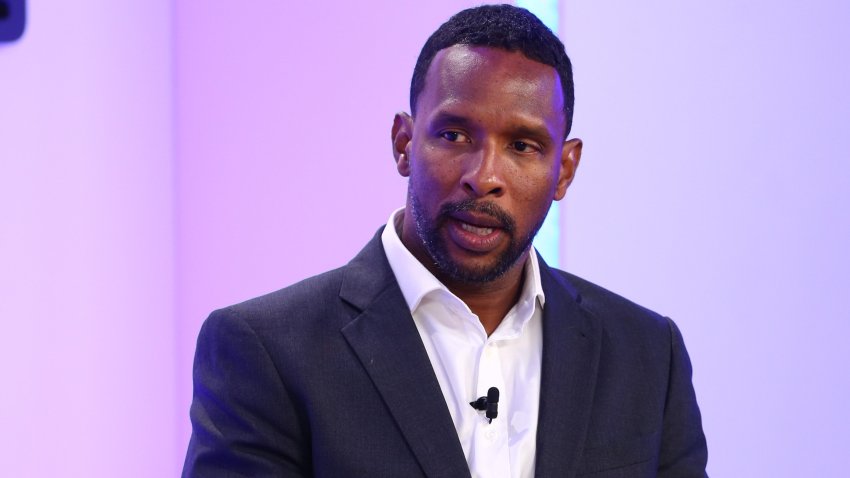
(329, 378)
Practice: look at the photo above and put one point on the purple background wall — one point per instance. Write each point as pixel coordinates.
(87, 341)
(161, 160)
(284, 161)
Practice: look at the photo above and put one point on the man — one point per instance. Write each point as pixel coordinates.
(384, 367)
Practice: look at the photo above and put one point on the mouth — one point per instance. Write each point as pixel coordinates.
(481, 231)
(477, 228)
(475, 237)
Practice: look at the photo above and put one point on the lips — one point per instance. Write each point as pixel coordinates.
(476, 227)
(481, 231)
(475, 238)
(479, 219)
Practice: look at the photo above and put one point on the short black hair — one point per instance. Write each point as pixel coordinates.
(499, 26)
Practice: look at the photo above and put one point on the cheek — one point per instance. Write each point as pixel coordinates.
(431, 174)
(534, 186)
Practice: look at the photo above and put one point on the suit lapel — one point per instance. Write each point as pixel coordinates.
(571, 346)
(385, 339)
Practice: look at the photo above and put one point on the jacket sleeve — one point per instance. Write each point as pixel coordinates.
(683, 448)
(244, 423)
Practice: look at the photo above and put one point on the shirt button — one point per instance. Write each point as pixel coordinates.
(490, 434)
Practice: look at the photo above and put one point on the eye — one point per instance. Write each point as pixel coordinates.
(524, 147)
(454, 136)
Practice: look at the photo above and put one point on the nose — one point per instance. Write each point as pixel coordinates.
(484, 173)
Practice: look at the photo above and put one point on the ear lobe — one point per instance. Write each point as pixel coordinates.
(570, 157)
(401, 133)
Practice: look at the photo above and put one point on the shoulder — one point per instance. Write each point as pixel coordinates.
(307, 307)
(303, 296)
(598, 299)
(617, 315)
(318, 307)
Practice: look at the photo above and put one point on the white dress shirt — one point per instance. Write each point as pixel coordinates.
(467, 362)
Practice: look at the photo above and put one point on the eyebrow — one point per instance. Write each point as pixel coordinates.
(444, 117)
(538, 133)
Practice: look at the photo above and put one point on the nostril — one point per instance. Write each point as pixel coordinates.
(482, 188)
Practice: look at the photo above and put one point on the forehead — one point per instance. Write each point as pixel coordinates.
(493, 80)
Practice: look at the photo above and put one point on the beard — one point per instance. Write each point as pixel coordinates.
(428, 231)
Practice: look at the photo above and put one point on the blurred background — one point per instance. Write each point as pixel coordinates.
(161, 159)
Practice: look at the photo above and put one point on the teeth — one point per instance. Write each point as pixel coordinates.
(481, 231)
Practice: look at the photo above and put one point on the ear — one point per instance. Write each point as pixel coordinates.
(570, 157)
(401, 134)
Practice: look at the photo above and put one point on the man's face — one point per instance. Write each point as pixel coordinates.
(485, 157)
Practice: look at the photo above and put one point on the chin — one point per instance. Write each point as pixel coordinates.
(477, 272)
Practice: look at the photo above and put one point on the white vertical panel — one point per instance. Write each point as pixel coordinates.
(714, 187)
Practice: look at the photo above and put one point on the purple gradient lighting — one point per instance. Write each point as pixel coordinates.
(87, 354)
(154, 168)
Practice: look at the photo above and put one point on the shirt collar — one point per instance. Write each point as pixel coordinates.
(416, 281)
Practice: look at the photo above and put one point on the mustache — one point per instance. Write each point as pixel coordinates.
(506, 222)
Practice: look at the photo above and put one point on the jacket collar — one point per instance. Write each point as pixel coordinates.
(571, 347)
(385, 339)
